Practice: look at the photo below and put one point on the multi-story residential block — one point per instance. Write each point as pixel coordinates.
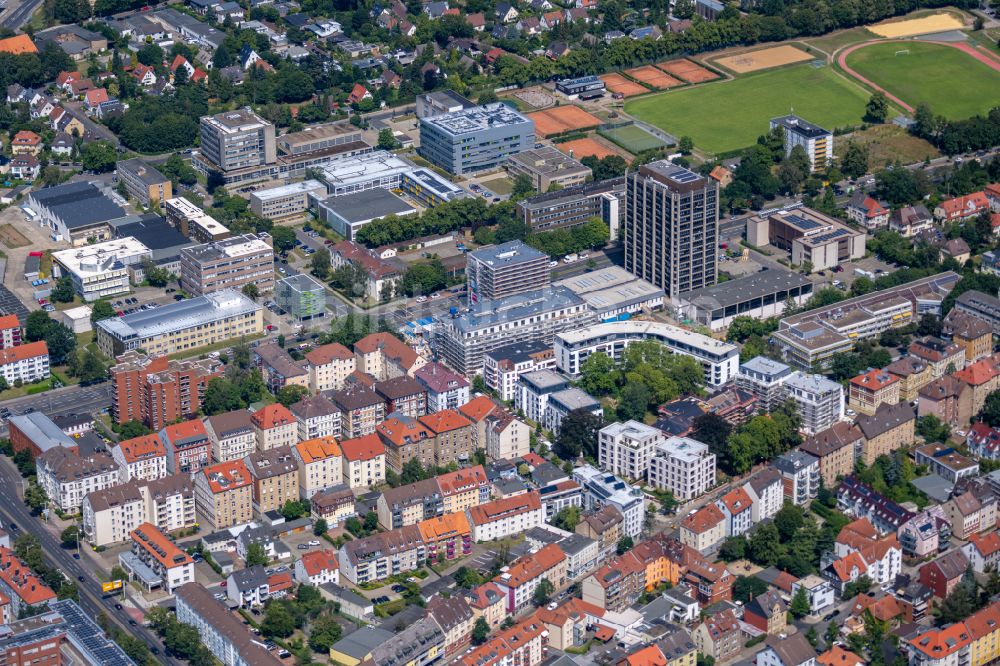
(767, 612)
(819, 592)
(278, 368)
(67, 478)
(456, 619)
(873, 388)
(527, 317)
(446, 536)
(737, 508)
(474, 139)
(10, 331)
(866, 211)
(820, 401)
(403, 395)
(409, 504)
(949, 399)
(507, 437)
(859, 500)
(382, 555)
(792, 650)
(946, 462)
(765, 379)
(445, 389)
(109, 515)
(232, 263)
(983, 552)
(315, 417)
(154, 550)
(503, 270)
(21, 588)
(719, 636)
(463, 489)
(25, 363)
(606, 526)
(143, 182)
(101, 270)
(503, 367)
(892, 427)
(157, 390)
(454, 436)
(232, 435)
(328, 366)
(944, 357)
(913, 374)
(720, 360)
(683, 466)
(318, 567)
(320, 465)
(626, 449)
(704, 529)
(922, 534)
(224, 494)
(420, 644)
(767, 492)
(882, 557)
(274, 426)
(503, 517)
(983, 378)
(222, 316)
(361, 410)
(524, 643)
(971, 513)
(519, 582)
(142, 458)
(671, 227)
(837, 448)
(364, 461)
(224, 636)
(275, 475)
(193, 222)
(384, 356)
(533, 391)
(188, 447)
(334, 505)
(800, 475)
(237, 146)
(944, 573)
(601, 488)
(816, 141)
(405, 440)
(971, 332)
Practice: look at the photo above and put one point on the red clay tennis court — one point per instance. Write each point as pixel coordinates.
(617, 83)
(562, 119)
(653, 77)
(584, 147)
(687, 70)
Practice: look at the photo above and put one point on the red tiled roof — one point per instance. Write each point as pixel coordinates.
(978, 373)
(391, 346)
(703, 519)
(478, 408)
(162, 549)
(445, 421)
(326, 354)
(874, 380)
(22, 581)
(146, 446)
(272, 416)
(368, 447)
(226, 476)
(23, 352)
(186, 430)
(318, 561)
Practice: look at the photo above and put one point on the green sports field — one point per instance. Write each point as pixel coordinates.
(631, 138)
(729, 115)
(952, 83)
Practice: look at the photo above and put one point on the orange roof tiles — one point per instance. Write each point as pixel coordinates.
(445, 421)
(9, 321)
(978, 373)
(318, 561)
(279, 582)
(703, 519)
(359, 449)
(502, 508)
(987, 544)
(478, 408)
(939, 643)
(20, 579)
(462, 480)
(499, 649)
(442, 527)
(272, 416)
(26, 138)
(186, 430)
(486, 595)
(737, 501)
(874, 380)
(573, 607)
(391, 346)
(17, 45)
(225, 476)
(23, 352)
(861, 536)
(326, 354)
(959, 205)
(838, 656)
(850, 567)
(651, 655)
(162, 549)
(401, 433)
(984, 621)
(315, 450)
(530, 567)
(146, 446)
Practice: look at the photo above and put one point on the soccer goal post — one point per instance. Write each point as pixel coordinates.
(903, 52)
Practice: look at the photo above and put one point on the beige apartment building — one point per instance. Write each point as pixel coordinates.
(836, 448)
(232, 435)
(275, 474)
(229, 264)
(329, 366)
(364, 461)
(704, 528)
(870, 389)
(143, 182)
(320, 465)
(224, 494)
(274, 426)
(890, 428)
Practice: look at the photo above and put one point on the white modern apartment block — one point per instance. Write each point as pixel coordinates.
(67, 478)
(767, 492)
(25, 363)
(800, 475)
(720, 360)
(506, 516)
(503, 367)
(533, 391)
(820, 401)
(143, 458)
(683, 466)
(765, 378)
(110, 515)
(102, 269)
(161, 555)
(601, 489)
(626, 448)
(816, 141)
(170, 503)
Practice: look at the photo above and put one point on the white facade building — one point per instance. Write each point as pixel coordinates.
(820, 401)
(601, 489)
(682, 466)
(626, 448)
(102, 269)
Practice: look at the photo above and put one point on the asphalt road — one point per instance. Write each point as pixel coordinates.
(21, 14)
(14, 512)
(64, 401)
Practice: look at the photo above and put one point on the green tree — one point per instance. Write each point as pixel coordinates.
(567, 518)
(800, 604)
(633, 401)
(765, 545)
(856, 587)
(624, 545)
(578, 434)
(468, 578)
(35, 498)
(789, 520)
(854, 162)
(733, 548)
(156, 276)
(101, 310)
(283, 238)
(523, 187)
(290, 394)
(543, 592)
(480, 631)
(320, 527)
(98, 156)
(387, 140)
(278, 621)
(598, 375)
(425, 278)
(63, 291)
(118, 573)
(256, 555)
(324, 632)
(251, 291)
(132, 429)
(747, 587)
(877, 109)
(319, 263)
(70, 536)
(932, 429)
(685, 145)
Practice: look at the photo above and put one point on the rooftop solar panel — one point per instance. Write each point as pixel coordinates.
(803, 223)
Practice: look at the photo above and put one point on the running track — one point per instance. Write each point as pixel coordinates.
(989, 61)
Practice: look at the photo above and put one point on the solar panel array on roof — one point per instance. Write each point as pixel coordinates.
(684, 176)
(837, 233)
(88, 637)
(803, 223)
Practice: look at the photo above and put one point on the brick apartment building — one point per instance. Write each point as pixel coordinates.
(157, 390)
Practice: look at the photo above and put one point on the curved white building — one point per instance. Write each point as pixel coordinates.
(721, 360)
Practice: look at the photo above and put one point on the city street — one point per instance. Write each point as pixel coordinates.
(62, 401)
(19, 13)
(17, 519)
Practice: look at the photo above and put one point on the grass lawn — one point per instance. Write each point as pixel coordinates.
(954, 84)
(731, 115)
(501, 185)
(887, 144)
(632, 138)
(841, 38)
